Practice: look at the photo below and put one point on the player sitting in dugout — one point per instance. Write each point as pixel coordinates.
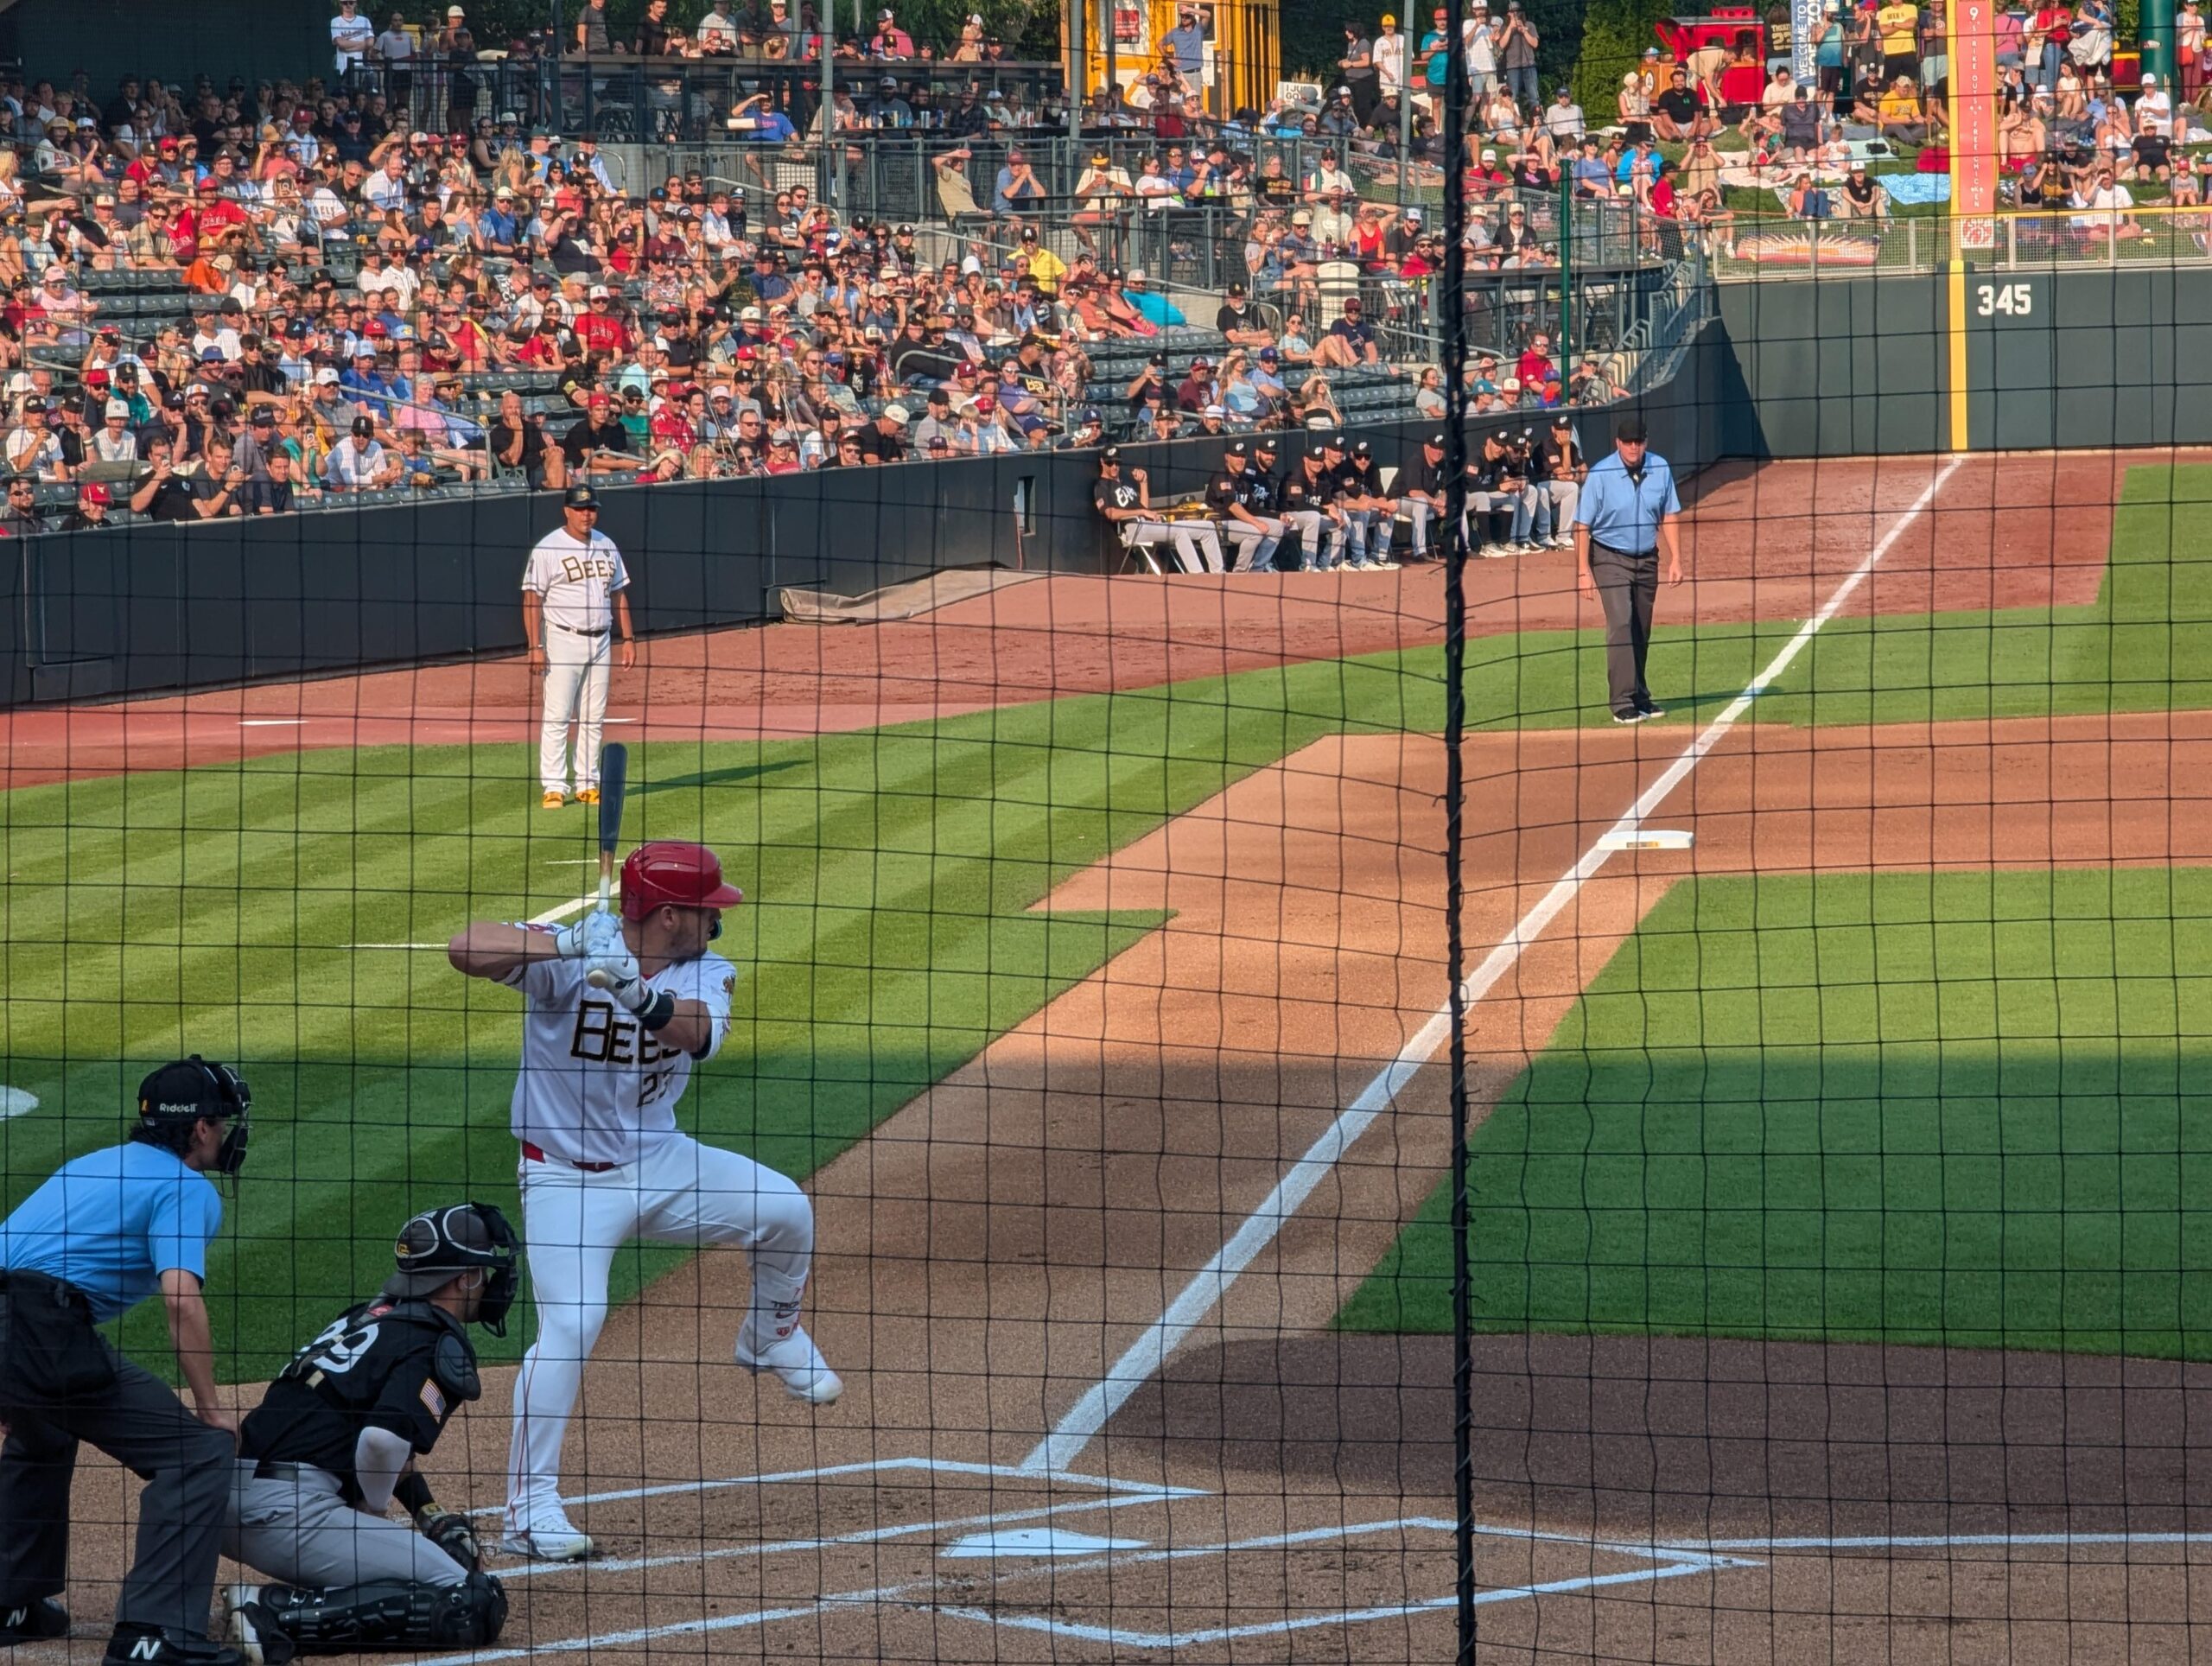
(334, 1441)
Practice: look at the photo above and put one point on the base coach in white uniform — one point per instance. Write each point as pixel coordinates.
(573, 603)
(1624, 521)
(603, 1161)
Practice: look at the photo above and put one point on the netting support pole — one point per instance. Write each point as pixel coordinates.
(1453, 317)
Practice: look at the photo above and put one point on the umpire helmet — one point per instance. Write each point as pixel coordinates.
(673, 871)
(439, 1245)
(172, 1099)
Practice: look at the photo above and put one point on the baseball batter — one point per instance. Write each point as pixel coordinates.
(603, 1161)
(573, 601)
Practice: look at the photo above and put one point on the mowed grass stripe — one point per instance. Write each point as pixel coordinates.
(887, 940)
(1961, 1109)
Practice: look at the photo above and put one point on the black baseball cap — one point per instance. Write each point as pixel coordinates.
(364, 428)
(1263, 442)
(1362, 449)
(1436, 440)
(1240, 449)
(579, 497)
(1333, 443)
(1631, 431)
(1111, 454)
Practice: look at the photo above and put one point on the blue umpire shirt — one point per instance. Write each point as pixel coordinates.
(112, 1222)
(1623, 514)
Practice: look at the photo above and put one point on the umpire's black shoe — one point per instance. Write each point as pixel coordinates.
(143, 1645)
(32, 1622)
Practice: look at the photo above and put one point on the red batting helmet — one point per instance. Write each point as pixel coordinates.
(672, 871)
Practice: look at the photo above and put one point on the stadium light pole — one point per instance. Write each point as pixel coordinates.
(1452, 317)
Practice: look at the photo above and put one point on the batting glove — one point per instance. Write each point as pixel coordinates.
(625, 979)
(598, 932)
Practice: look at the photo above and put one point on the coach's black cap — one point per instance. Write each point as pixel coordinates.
(1436, 440)
(1263, 442)
(579, 497)
(1333, 443)
(1111, 454)
(1631, 429)
(1362, 449)
(1240, 449)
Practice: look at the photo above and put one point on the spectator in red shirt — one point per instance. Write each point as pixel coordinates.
(601, 329)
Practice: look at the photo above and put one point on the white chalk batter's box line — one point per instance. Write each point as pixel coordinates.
(1017, 1556)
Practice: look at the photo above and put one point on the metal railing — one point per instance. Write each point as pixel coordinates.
(1766, 246)
(624, 99)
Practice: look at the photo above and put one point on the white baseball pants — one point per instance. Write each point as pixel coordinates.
(577, 672)
(1196, 544)
(573, 1222)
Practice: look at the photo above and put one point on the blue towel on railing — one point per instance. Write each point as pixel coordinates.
(1917, 187)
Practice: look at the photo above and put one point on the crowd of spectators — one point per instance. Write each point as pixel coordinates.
(229, 301)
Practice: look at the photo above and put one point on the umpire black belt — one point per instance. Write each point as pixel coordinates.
(21, 1281)
(1629, 555)
(573, 631)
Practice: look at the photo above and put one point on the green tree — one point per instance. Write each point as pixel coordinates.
(1614, 35)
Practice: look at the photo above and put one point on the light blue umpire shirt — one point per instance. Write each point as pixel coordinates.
(1623, 514)
(112, 1222)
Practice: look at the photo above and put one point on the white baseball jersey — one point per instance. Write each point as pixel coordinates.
(577, 579)
(595, 1085)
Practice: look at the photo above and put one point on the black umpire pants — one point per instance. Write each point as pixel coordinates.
(138, 1420)
(1628, 587)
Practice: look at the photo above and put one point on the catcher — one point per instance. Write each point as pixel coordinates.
(334, 1441)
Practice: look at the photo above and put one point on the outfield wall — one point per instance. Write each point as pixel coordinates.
(165, 606)
(1832, 366)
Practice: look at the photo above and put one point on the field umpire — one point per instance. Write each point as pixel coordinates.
(334, 1441)
(104, 1233)
(1625, 518)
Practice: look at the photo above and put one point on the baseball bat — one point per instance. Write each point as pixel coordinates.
(614, 779)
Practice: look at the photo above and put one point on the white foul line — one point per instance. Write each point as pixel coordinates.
(1148, 1353)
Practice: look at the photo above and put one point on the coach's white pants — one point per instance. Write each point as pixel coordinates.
(576, 671)
(681, 1192)
(1196, 544)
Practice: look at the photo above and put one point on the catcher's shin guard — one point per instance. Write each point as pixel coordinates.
(389, 1614)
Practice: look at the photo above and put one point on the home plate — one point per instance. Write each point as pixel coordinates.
(1646, 838)
(1035, 1541)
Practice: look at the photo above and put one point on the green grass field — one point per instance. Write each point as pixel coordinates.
(1961, 1108)
(887, 938)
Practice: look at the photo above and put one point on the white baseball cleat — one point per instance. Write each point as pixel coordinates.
(796, 1362)
(551, 1541)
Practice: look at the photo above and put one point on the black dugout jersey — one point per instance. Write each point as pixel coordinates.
(1299, 491)
(1420, 475)
(1222, 493)
(1256, 491)
(402, 1366)
(1114, 494)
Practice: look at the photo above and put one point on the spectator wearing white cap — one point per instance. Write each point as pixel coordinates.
(1478, 45)
(890, 41)
(114, 441)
